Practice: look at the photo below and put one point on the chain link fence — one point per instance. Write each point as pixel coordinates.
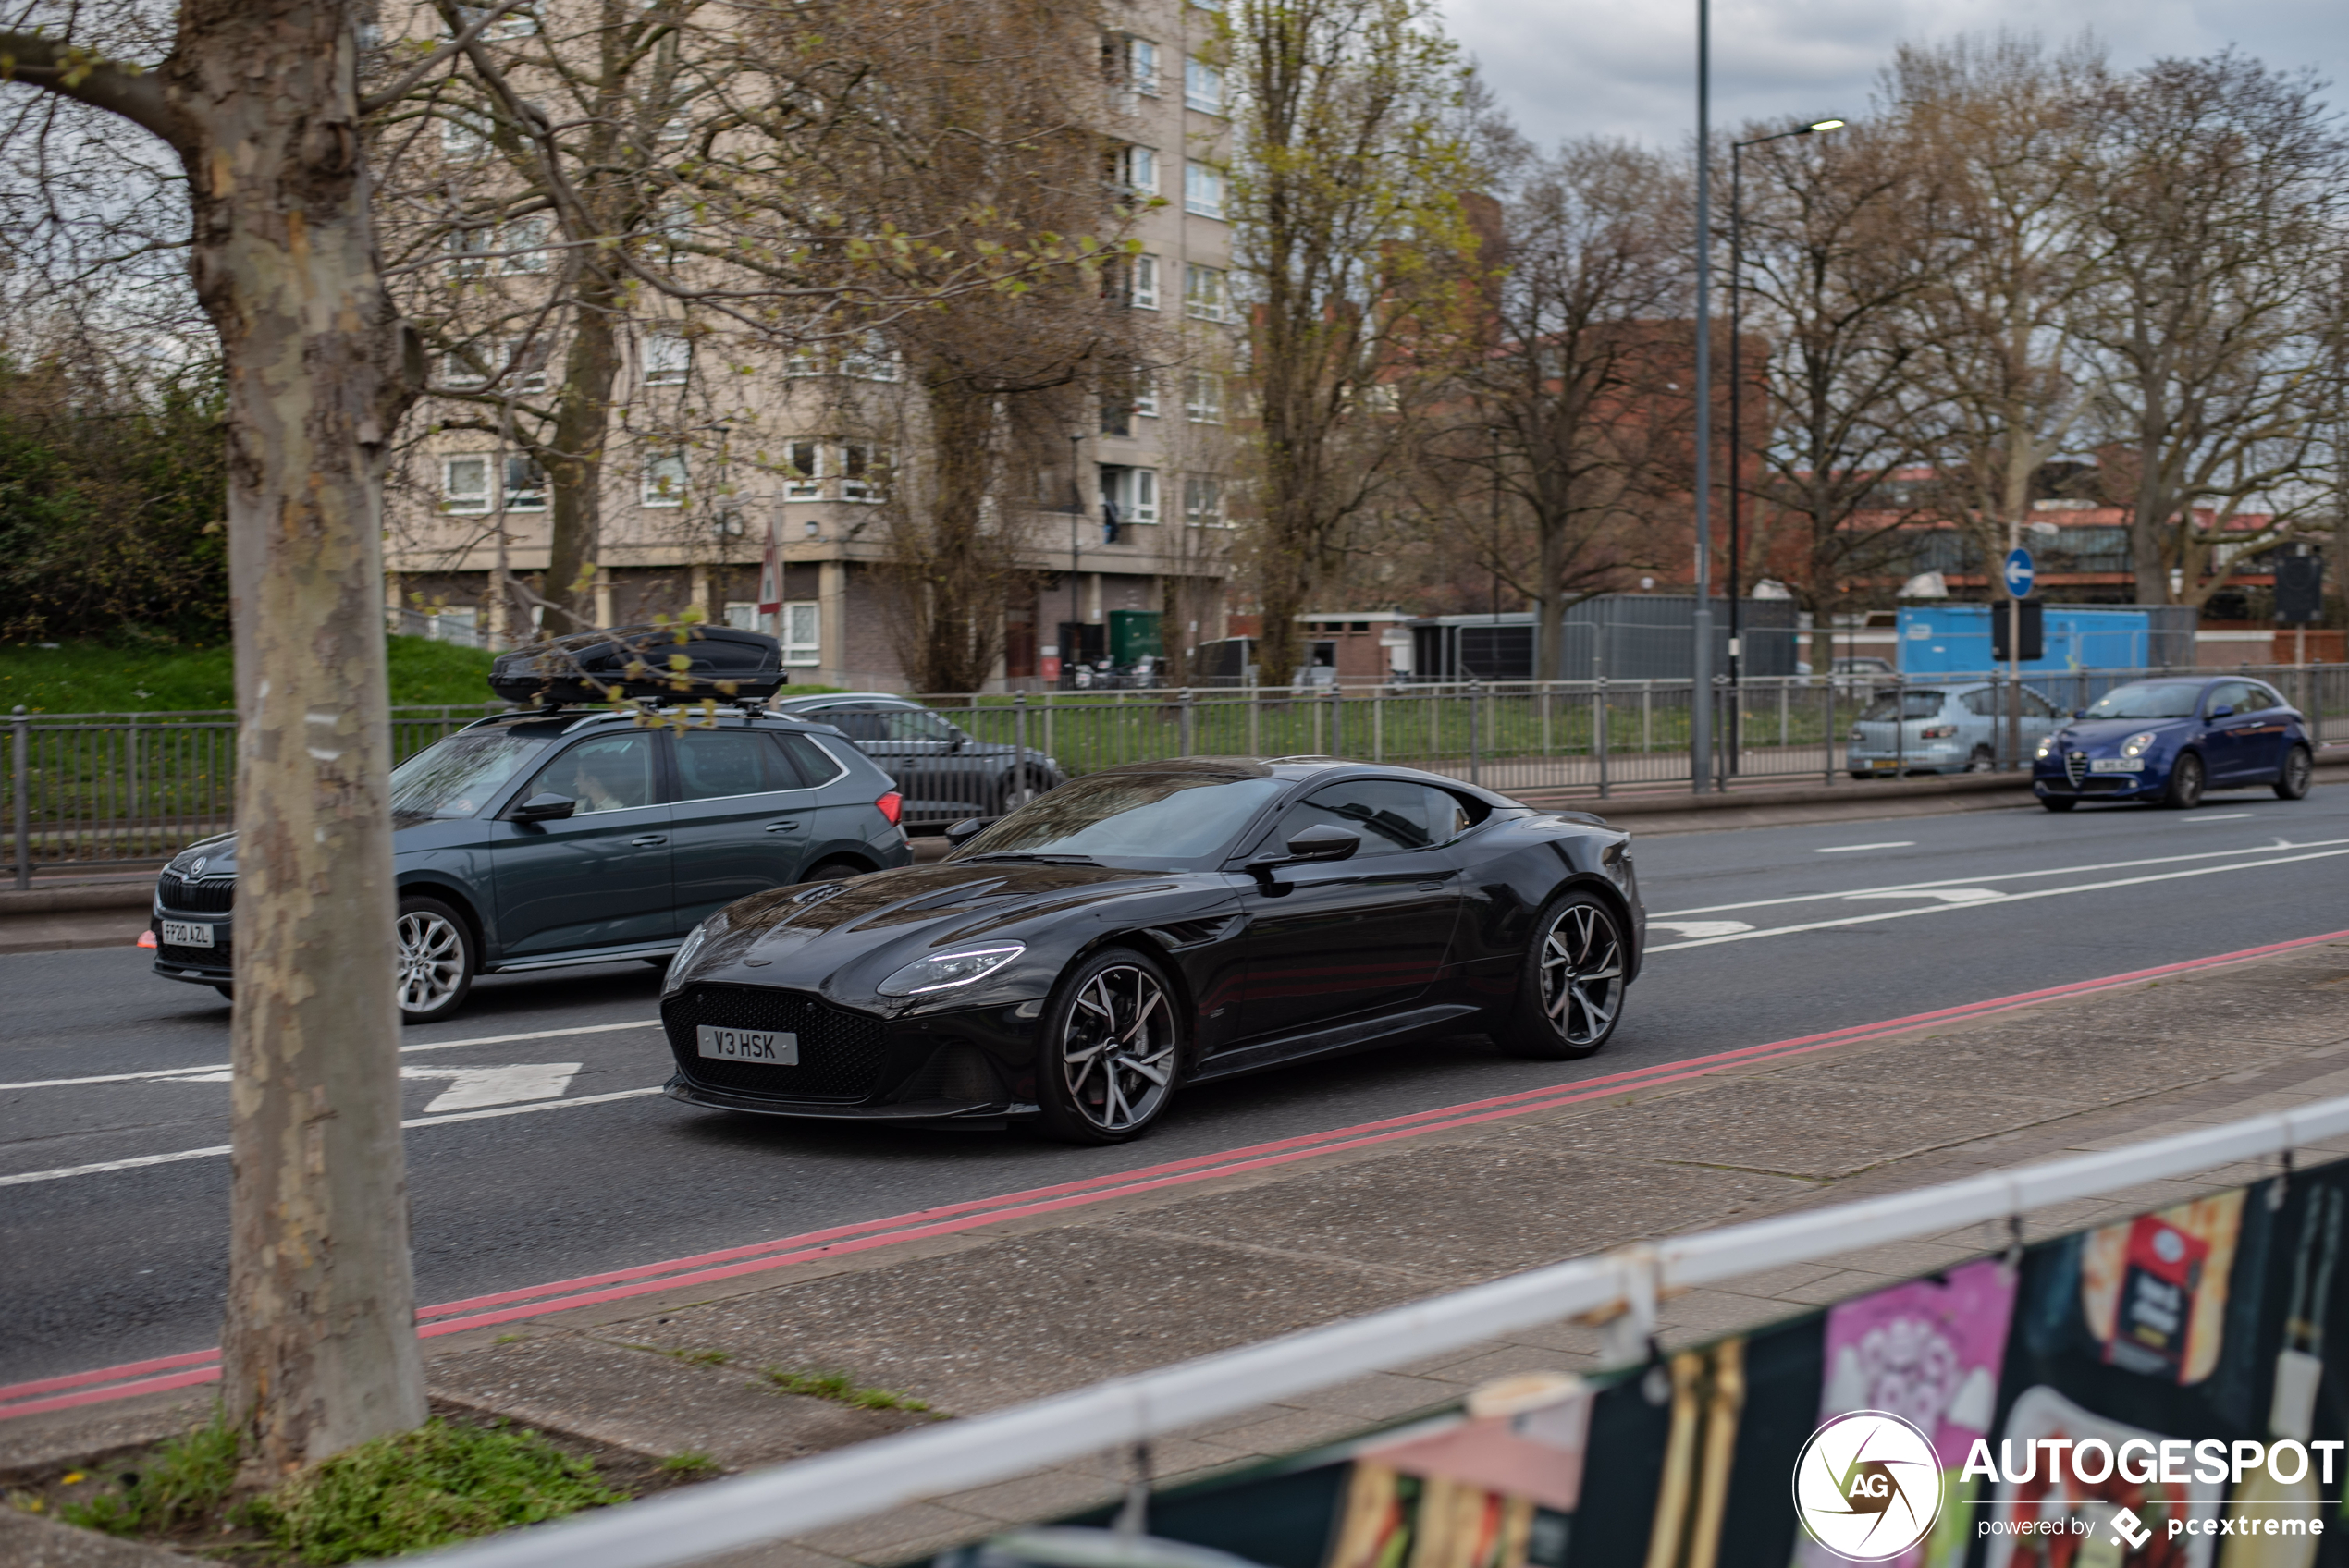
(94, 790)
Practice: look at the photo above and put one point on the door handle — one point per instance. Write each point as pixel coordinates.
(781, 827)
(648, 840)
(1430, 886)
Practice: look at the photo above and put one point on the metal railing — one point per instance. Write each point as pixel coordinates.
(99, 789)
(110, 788)
(1551, 740)
(795, 1500)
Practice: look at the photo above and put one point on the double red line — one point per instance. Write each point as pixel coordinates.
(505, 1306)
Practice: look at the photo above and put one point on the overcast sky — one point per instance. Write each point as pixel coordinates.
(1627, 67)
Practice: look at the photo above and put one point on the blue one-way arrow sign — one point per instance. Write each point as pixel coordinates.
(2018, 573)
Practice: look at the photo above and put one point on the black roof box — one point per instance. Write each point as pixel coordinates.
(721, 663)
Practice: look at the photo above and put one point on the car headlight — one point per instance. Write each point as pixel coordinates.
(685, 955)
(2138, 744)
(2047, 748)
(941, 970)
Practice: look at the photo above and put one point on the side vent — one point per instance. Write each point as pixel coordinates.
(1192, 933)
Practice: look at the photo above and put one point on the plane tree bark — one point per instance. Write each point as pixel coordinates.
(257, 100)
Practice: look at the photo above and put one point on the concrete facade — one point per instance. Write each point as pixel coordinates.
(713, 440)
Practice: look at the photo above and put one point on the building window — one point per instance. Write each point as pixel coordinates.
(1134, 170)
(524, 242)
(1203, 398)
(459, 372)
(665, 480)
(523, 362)
(861, 469)
(669, 359)
(1132, 63)
(464, 484)
(525, 484)
(871, 359)
(1202, 500)
(742, 615)
(802, 633)
(469, 251)
(1142, 392)
(1131, 493)
(1203, 189)
(464, 133)
(515, 23)
(1205, 296)
(803, 470)
(1202, 87)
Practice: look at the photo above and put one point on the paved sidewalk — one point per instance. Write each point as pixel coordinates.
(1027, 1307)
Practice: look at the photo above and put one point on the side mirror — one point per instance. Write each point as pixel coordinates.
(2224, 710)
(1321, 842)
(544, 808)
(1324, 842)
(2079, 712)
(963, 832)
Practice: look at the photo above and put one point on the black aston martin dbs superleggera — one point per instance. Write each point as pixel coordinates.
(1157, 925)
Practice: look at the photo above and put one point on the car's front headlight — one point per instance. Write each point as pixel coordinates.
(2138, 744)
(2047, 748)
(685, 955)
(941, 970)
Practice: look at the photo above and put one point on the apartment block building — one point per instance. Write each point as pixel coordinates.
(705, 452)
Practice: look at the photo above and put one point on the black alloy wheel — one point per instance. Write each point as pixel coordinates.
(1570, 994)
(2185, 792)
(437, 961)
(1106, 1059)
(2058, 802)
(2293, 780)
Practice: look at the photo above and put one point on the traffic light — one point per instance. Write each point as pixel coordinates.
(2034, 641)
(2300, 588)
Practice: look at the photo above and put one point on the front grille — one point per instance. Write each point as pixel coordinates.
(215, 897)
(2075, 766)
(840, 1053)
(195, 958)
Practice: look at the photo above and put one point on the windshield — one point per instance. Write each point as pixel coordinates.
(2151, 699)
(1914, 705)
(1145, 819)
(459, 775)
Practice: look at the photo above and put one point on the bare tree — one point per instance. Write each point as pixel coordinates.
(258, 100)
(1569, 416)
(1347, 226)
(2012, 124)
(1844, 235)
(2214, 316)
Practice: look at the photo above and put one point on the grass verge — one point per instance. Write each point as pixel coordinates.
(171, 678)
(447, 1481)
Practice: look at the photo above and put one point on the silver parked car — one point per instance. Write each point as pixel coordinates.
(1958, 726)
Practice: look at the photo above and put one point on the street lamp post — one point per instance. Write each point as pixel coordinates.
(1737, 395)
(1701, 628)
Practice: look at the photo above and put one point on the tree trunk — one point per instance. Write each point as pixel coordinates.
(320, 1348)
(574, 461)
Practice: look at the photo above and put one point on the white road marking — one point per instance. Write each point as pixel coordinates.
(476, 1086)
(101, 1167)
(2221, 816)
(1947, 895)
(2011, 898)
(2280, 845)
(1847, 849)
(209, 1074)
(1692, 930)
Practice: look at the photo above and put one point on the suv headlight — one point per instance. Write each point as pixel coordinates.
(2138, 744)
(944, 971)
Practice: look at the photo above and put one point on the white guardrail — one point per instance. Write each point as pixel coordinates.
(695, 1522)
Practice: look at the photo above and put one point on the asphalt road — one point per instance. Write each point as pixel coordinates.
(541, 1150)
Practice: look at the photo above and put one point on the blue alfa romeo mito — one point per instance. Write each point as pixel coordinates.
(2168, 741)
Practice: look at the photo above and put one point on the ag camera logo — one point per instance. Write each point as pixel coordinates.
(1867, 1486)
